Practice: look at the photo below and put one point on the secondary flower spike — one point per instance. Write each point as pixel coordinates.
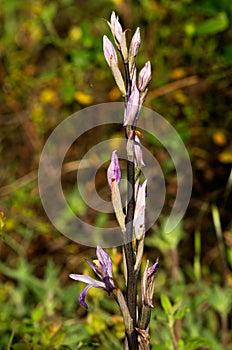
(103, 268)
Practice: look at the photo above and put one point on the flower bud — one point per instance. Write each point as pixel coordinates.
(144, 76)
(119, 35)
(114, 177)
(112, 60)
(132, 107)
(139, 218)
(114, 172)
(134, 47)
(109, 51)
(138, 153)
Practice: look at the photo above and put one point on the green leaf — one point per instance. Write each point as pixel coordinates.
(37, 314)
(67, 91)
(21, 346)
(180, 313)
(196, 343)
(213, 25)
(166, 304)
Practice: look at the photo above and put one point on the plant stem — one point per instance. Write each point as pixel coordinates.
(131, 288)
(131, 291)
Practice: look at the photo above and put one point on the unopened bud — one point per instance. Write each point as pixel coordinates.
(132, 107)
(112, 60)
(144, 76)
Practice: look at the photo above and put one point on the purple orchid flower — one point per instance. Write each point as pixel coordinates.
(114, 177)
(138, 153)
(114, 172)
(135, 44)
(118, 34)
(144, 76)
(139, 217)
(103, 268)
(132, 107)
(112, 60)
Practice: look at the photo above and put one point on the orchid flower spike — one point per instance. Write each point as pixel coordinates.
(103, 269)
(148, 283)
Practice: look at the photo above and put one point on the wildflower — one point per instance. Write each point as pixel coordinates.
(148, 283)
(134, 48)
(114, 172)
(138, 153)
(103, 268)
(119, 35)
(112, 60)
(114, 177)
(132, 107)
(139, 217)
(144, 76)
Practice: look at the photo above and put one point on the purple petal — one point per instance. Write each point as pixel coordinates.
(88, 280)
(82, 296)
(153, 269)
(93, 267)
(113, 172)
(144, 76)
(115, 27)
(139, 218)
(105, 261)
(109, 51)
(132, 107)
(135, 43)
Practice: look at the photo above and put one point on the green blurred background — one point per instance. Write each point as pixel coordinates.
(51, 65)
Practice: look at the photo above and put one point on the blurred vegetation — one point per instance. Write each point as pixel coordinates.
(51, 65)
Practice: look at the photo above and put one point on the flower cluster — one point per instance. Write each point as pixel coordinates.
(137, 91)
